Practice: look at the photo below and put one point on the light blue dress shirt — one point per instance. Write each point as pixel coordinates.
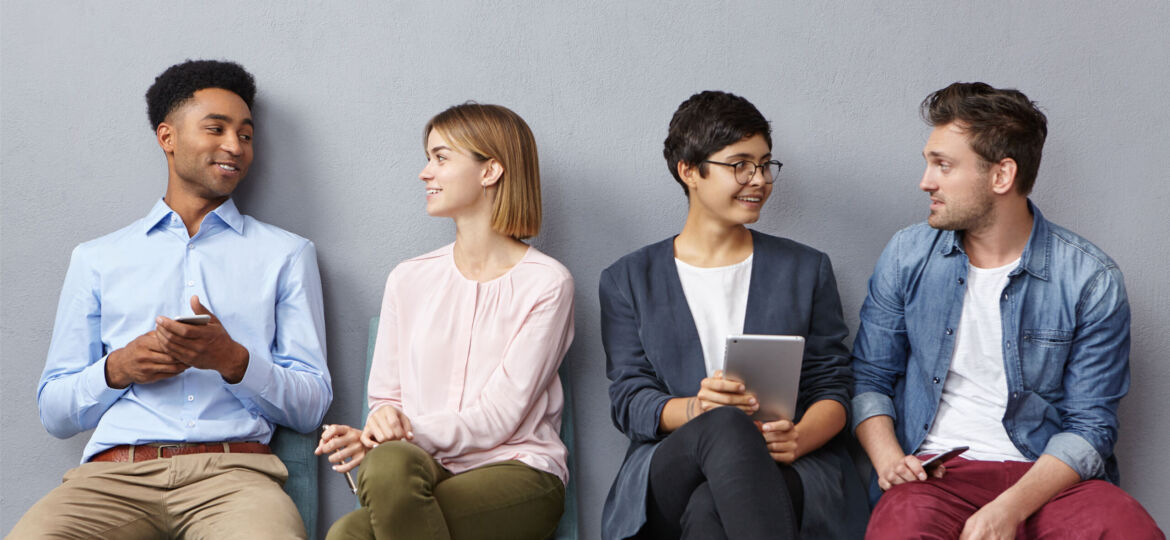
(260, 281)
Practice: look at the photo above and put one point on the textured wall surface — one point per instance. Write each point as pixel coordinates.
(346, 87)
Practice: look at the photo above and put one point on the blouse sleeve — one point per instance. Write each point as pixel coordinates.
(529, 365)
(385, 387)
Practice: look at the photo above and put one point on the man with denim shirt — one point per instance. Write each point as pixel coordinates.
(181, 411)
(992, 328)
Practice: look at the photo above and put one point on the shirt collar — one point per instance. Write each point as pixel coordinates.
(1033, 260)
(227, 212)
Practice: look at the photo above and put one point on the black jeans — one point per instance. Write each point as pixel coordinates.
(713, 478)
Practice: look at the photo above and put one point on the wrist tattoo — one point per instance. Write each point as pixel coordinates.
(692, 408)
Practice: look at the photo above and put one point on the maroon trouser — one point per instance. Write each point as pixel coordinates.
(938, 507)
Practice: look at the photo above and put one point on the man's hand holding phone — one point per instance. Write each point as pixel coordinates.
(204, 346)
(141, 361)
(911, 469)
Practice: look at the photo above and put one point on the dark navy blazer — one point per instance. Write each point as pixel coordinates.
(653, 354)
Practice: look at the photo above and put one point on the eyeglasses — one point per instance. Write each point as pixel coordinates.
(745, 170)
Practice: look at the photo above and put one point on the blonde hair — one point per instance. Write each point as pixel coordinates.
(495, 132)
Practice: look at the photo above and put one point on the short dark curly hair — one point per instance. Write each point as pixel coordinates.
(999, 123)
(180, 82)
(706, 123)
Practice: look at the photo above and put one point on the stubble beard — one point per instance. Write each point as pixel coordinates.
(963, 216)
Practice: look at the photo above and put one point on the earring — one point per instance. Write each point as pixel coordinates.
(484, 190)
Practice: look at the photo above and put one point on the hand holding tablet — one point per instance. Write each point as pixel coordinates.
(769, 366)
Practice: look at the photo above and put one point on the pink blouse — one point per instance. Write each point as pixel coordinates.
(474, 365)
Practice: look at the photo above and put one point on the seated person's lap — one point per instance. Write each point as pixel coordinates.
(941, 506)
(400, 480)
(197, 496)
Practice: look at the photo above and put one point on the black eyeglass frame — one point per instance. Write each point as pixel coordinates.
(755, 167)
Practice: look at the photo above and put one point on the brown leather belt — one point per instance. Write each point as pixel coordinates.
(132, 453)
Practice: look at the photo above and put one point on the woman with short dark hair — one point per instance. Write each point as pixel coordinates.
(698, 466)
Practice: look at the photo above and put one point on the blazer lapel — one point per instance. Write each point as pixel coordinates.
(760, 311)
(684, 346)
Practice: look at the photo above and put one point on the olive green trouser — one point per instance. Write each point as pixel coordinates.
(406, 494)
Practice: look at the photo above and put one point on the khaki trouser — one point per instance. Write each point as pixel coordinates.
(190, 496)
(407, 494)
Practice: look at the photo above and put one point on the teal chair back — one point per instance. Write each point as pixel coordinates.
(296, 451)
(567, 528)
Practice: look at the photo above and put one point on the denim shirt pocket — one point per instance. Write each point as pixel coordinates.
(1044, 353)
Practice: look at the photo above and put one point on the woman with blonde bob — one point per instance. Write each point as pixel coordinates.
(465, 403)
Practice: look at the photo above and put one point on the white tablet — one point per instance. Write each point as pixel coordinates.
(769, 366)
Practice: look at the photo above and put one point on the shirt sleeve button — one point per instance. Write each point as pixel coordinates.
(949, 331)
(936, 380)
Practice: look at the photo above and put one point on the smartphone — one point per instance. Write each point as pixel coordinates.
(933, 463)
(197, 320)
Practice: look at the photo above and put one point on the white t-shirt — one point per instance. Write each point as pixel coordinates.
(974, 396)
(718, 301)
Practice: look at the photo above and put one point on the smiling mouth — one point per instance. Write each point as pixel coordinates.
(750, 199)
(227, 167)
(433, 191)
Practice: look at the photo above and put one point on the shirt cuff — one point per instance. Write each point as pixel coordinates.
(94, 383)
(257, 377)
(1076, 452)
(869, 404)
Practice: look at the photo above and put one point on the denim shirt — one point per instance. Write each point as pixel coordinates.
(1065, 321)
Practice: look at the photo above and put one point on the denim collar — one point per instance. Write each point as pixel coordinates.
(1035, 258)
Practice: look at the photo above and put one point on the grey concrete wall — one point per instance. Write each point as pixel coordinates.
(346, 87)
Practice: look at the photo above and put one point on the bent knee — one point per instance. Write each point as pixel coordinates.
(728, 424)
(393, 459)
(1097, 508)
(394, 470)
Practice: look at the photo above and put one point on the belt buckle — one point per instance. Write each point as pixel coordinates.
(161, 447)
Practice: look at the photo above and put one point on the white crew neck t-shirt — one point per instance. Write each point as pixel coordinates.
(975, 393)
(718, 301)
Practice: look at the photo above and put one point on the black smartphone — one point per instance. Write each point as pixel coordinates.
(933, 463)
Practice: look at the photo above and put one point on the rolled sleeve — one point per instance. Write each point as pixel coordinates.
(1076, 452)
(870, 404)
(881, 349)
(1095, 379)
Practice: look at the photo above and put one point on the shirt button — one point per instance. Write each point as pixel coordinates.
(190, 283)
(1015, 395)
(949, 331)
(960, 281)
(936, 380)
(190, 398)
(190, 424)
(925, 427)
(190, 246)
(1005, 296)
